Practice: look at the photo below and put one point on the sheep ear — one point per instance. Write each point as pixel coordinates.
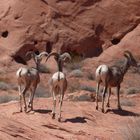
(31, 54)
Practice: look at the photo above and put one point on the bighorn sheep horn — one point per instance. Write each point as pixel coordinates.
(65, 56)
(53, 54)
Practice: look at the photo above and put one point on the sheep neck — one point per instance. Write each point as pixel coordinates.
(37, 67)
(125, 66)
(59, 65)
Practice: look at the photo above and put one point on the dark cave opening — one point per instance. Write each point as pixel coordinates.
(115, 41)
(5, 34)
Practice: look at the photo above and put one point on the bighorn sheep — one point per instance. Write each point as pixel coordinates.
(29, 78)
(58, 81)
(112, 77)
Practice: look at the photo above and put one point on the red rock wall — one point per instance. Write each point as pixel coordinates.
(82, 26)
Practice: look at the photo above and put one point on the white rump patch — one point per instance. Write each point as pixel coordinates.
(101, 72)
(102, 69)
(22, 71)
(58, 74)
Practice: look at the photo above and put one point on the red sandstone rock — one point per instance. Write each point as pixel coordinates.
(84, 27)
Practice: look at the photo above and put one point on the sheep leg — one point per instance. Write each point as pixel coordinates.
(32, 97)
(60, 105)
(109, 93)
(97, 92)
(103, 97)
(20, 97)
(118, 94)
(25, 105)
(23, 95)
(29, 102)
(54, 105)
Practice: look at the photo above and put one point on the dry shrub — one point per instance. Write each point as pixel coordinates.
(6, 86)
(88, 88)
(126, 102)
(73, 86)
(81, 97)
(76, 73)
(76, 86)
(74, 66)
(42, 92)
(7, 98)
(76, 62)
(133, 90)
(91, 76)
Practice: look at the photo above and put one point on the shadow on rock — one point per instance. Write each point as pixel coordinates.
(123, 112)
(76, 120)
(43, 111)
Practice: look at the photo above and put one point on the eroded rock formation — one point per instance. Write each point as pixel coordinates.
(84, 27)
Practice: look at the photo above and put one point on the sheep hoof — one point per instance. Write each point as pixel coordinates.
(31, 108)
(108, 105)
(25, 109)
(29, 105)
(119, 108)
(96, 107)
(103, 110)
(59, 119)
(53, 115)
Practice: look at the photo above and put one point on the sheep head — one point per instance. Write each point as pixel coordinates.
(65, 57)
(37, 58)
(60, 57)
(130, 58)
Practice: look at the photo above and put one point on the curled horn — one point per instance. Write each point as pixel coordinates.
(42, 54)
(128, 54)
(52, 54)
(31, 54)
(65, 56)
(131, 58)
